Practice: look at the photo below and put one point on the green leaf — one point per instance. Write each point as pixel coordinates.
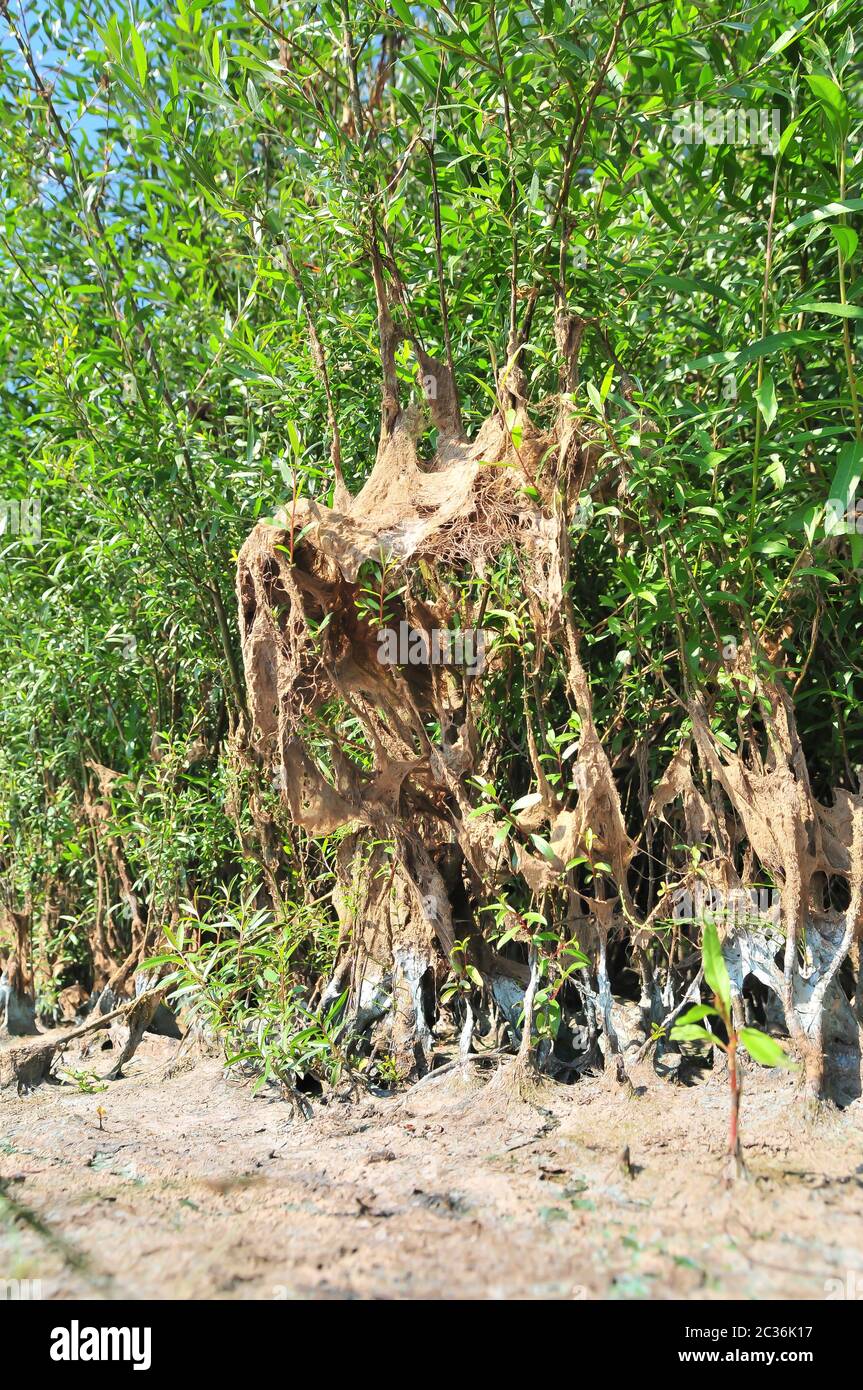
(788, 135)
(164, 959)
(774, 342)
(764, 1049)
(690, 1032)
(715, 971)
(663, 209)
(843, 311)
(846, 239)
(516, 430)
(843, 489)
(823, 214)
(403, 12)
(294, 437)
(776, 472)
(765, 396)
(545, 848)
(789, 35)
(831, 97)
(684, 285)
(696, 1013)
(773, 547)
(140, 53)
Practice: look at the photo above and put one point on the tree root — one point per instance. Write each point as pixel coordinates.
(519, 1084)
(31, 1064)
(460, 1063)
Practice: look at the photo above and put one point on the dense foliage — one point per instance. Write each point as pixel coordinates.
(192, 199)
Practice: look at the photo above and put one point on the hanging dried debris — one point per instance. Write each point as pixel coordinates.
(322, 589)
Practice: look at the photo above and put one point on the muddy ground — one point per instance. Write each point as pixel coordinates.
(194, 1188)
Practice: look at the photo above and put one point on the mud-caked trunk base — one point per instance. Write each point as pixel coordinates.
(17, 1011)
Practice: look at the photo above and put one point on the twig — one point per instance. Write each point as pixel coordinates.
(669, 1018)
(460, 1062)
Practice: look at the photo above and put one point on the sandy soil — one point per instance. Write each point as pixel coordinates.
(196, 1189)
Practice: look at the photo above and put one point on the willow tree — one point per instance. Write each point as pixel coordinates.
(531, 321)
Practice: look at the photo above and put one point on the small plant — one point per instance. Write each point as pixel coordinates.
(374, 599)
(464, 976)
(285, 1050)
(233, 970)
(87, 1082)
(555, 971)
(761, 1048)
(389, 1073)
